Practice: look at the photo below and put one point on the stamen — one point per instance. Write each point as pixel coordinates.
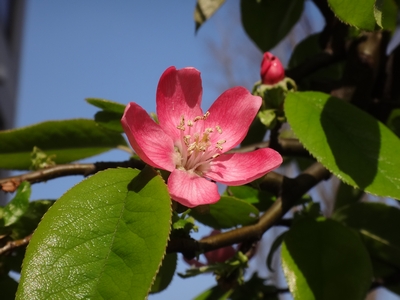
(181, 125)
(197, 118)
(206, 115)
(219, 143)
(186, 139)
(218, 129)
(190, 123)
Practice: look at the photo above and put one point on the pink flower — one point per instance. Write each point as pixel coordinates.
(272, 70)
(191, 144)
(216, 256)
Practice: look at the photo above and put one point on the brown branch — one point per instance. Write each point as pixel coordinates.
(291, 191)
(15, 244)
(65, 170)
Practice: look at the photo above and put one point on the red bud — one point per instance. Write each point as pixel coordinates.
(272, 70)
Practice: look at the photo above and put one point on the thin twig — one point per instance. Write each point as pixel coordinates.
(15, 244)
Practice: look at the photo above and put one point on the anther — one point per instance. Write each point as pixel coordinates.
(181, 125)
(206, 115)
(218, 129)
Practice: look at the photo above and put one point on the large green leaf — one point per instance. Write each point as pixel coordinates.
(359, 13)
(104, 239)
(67, 140)
(262, 200)
(228, 212)
(378, 225)
(165, 274)
(324, 260)
(267, 22)
(350, 143)
(107, 105)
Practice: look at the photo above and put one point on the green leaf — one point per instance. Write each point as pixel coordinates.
(320, 256)
(262, 200)
(68, 140)
(204, 10)
(255, 289)
(214, 293)
(346, 194)
(385, 13)
(18, 205)
(275, 245)
(107, 105)
(228, 212)
(110, 120)
(267, 22)
(358, 13)
(350, 143)
(165, 274)
(393, 121)
(377, 223)
(105, 238)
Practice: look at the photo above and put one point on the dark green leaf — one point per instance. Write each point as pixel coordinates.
(107, 105)
(262, 200)
(67, 140)
(105, 238)
(18, 205)
(275, 245)
(358, 13)
(228, 212)
(393, 121)
(165, 274)
(350, 143)
(385, 13)
(319, 256)
(110, 120)
(204, 10)
(346, 194)
(255, 289)
(267, 22)
(378, 225)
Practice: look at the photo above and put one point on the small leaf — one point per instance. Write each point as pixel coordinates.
(105, 238)
(214, 293)
(267, 22)
(165, 274)
(67, 140)
(28, 222)
(262, 200)
(18, 205)
(377, 223)
(228, 212)
(343, 138)
(320, 256)
(358, 13)
(204, 10)
(107, 105)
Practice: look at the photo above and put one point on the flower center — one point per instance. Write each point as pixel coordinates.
(195, 149)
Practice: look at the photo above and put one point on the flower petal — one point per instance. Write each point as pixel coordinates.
(233, 112)
(178, 94)
(242, 168)
(191, 190)
(147, 138)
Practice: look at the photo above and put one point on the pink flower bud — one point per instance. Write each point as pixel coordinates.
(272, 70)
(219, 255)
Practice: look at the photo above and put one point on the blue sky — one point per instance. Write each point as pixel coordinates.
(94, 48)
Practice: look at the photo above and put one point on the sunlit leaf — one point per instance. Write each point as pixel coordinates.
(107, 105)
(320, 256)
(18, 205)
(67, 140)
(204, 10)
(350, 143)
(105, 238)
(358, 13)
